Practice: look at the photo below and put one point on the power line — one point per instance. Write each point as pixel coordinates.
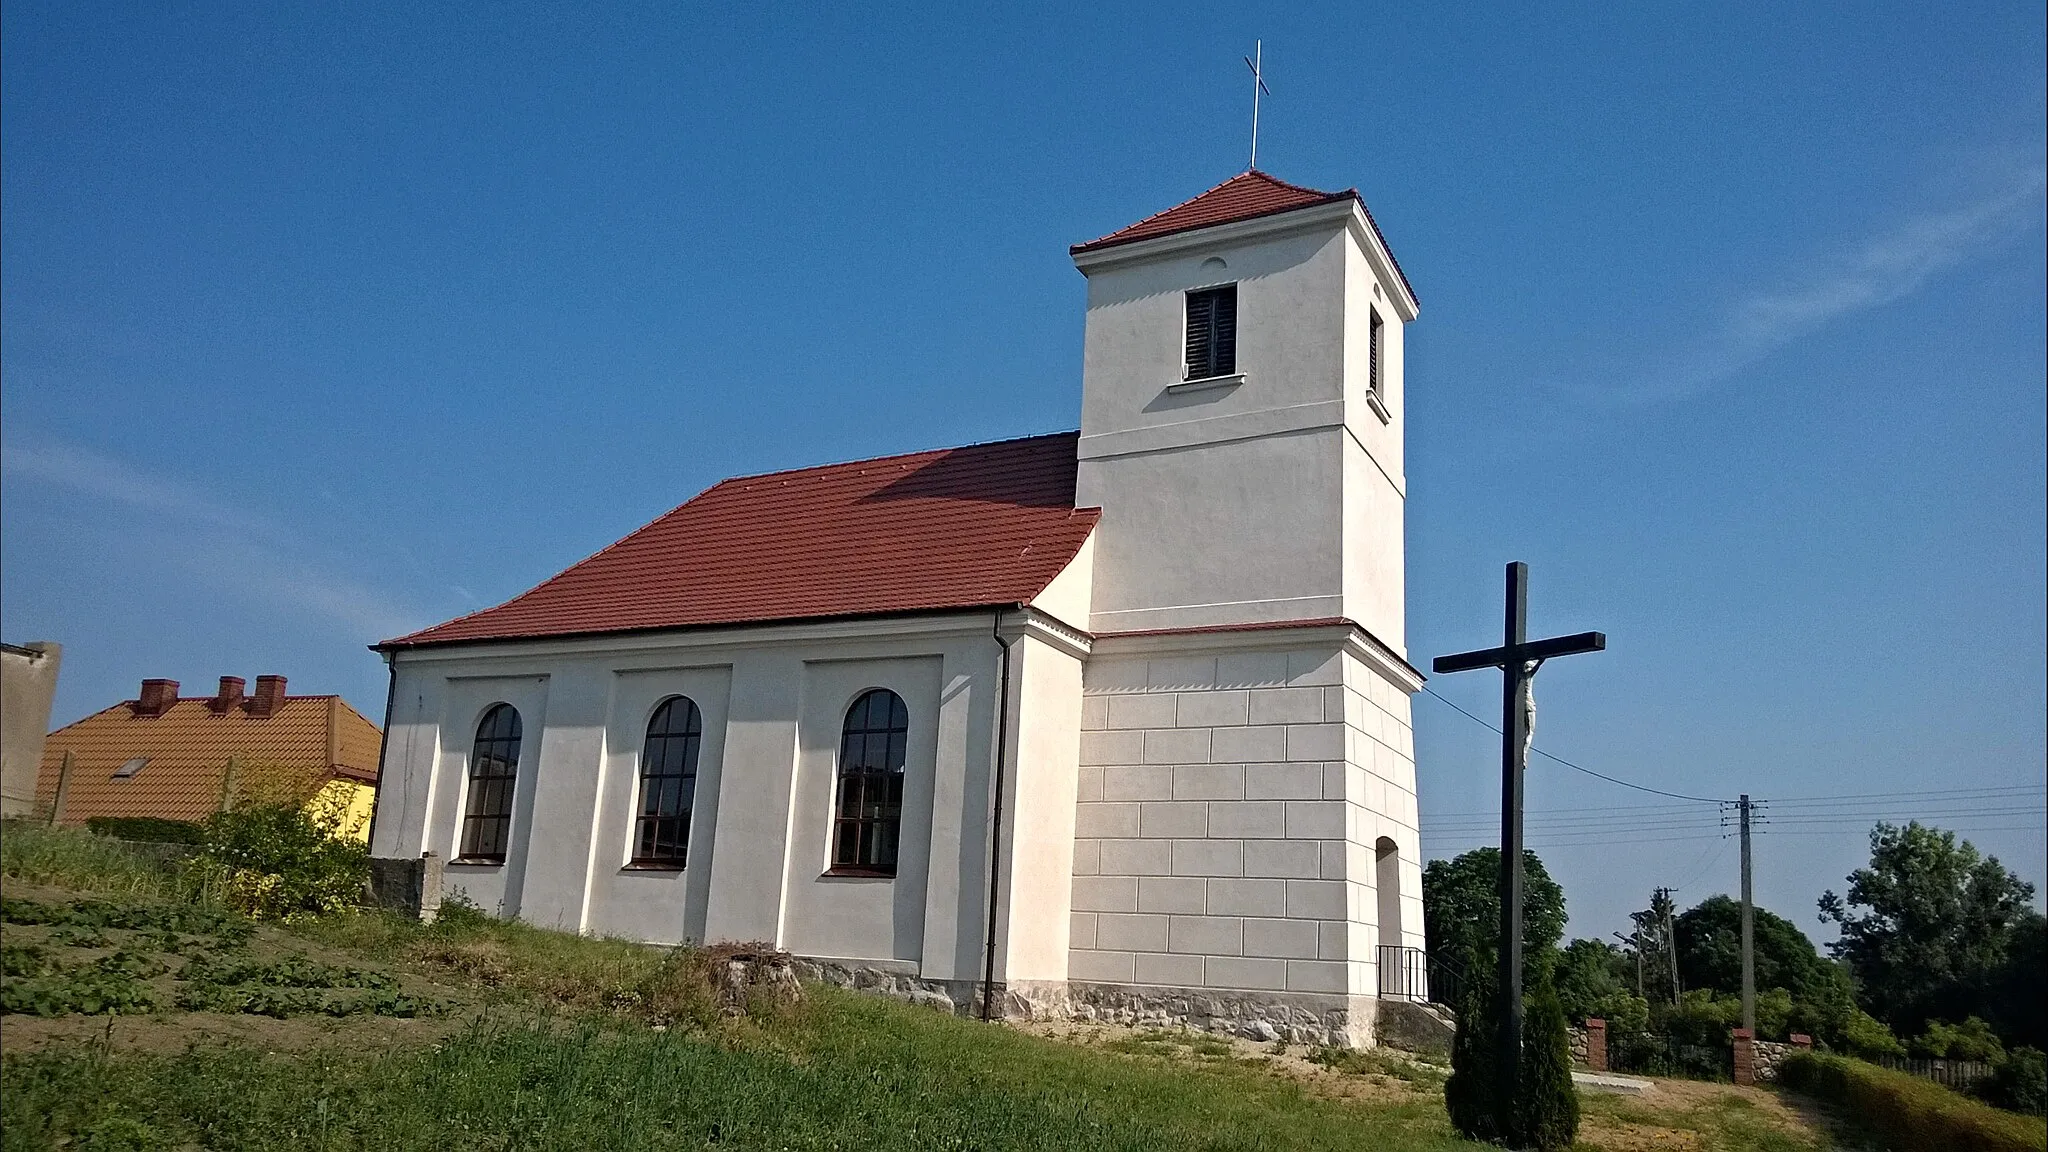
(1575, 767)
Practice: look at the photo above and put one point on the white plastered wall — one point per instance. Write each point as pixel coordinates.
(1245, 501)
(772, 699)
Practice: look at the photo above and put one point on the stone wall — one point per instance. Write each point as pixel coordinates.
(1228, 810)
(1296, 1017)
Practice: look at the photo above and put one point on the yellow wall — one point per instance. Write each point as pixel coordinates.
(347, 804)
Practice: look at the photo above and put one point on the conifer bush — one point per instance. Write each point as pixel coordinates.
(1546, 1112)
(1471, 1095)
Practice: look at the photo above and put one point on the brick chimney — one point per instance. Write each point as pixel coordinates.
(269, 694)
(157, 697)
(229, 697)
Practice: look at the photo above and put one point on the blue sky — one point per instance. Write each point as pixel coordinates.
(320, 324)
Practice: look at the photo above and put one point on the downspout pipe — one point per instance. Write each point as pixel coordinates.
(995, 835)
(383, 747)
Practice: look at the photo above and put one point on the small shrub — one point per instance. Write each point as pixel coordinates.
(24, 960)
(1970, 1040)
(149, 829)
(277, 862)
(1546, 1114)
(287, 972)
(1471, 1095)
(90, 990)
(1907, 1113)
(2018, 1083)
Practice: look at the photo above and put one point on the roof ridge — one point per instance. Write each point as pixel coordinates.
(1292, 186)
(1322, 196)
(893, 456)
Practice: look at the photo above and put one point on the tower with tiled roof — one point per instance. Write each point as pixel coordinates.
(1241, 413)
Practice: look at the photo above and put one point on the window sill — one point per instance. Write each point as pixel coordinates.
(477, 862)
(1379, 407)
(1205, 383)
(857, 874)
(653, 866)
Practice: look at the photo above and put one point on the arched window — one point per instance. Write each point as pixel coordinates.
(870, 808)
(493, 766)
(668, 782)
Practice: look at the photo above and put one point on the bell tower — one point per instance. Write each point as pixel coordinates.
(1246, 829)
(1241, 415)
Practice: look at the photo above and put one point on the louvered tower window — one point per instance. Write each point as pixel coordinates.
(1374, 354)
(1212, 332)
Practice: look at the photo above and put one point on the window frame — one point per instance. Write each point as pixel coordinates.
(1205, 300)
(502, 785)
(1376, 353)
(876, 820)
(689, 738)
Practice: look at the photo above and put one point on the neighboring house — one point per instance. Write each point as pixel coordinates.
(1111, 723)
(185, 758)
(28, 681)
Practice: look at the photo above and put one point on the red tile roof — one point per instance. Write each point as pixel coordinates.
(1245, 196)
(956, 528)
(307, 738)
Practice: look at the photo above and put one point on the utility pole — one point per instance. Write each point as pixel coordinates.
(1635, 943)
(1518, 658)
(1670, 937)
(1748, 926)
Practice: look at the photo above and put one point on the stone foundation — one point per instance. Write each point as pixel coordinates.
(1297, 1017)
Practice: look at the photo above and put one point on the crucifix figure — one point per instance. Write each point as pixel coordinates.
(1258, 85)
(1518, 659)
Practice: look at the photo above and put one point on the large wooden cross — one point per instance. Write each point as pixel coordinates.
(1517, 658)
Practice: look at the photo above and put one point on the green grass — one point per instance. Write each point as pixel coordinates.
(1724, 1123)
(853, 1073)
(558, 1051)
(68, 858)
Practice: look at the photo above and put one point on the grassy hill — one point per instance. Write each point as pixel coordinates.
(139, 1018)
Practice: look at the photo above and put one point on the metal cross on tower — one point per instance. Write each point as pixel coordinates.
(1517, 658)
(1258, 85)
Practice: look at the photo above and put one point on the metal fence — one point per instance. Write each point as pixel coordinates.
(1414, 975)
(1953, 1073)
(1655, 1054)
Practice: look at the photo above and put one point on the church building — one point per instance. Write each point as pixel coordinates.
(1109, 724)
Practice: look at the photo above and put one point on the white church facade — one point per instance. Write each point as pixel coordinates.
(1109, 724)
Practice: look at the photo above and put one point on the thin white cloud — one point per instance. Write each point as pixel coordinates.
(1883, 268)
(81, 470)
(221, 545)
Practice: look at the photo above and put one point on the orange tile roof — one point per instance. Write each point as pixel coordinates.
(969, 527)
(188, 747)
(1245, 196)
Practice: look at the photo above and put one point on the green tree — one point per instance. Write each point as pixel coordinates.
(1970, 1040)
(2018, 997)
(1461, 911)
(1710, 948)
(1928, 927)
(1546, 1112)
(1590, 984)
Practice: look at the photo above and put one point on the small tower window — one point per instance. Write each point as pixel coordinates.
(1375, 353)
(1212, 332)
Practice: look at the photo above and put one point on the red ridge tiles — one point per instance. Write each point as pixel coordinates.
(1245, 196)
(970, 527)
(1242, 197)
